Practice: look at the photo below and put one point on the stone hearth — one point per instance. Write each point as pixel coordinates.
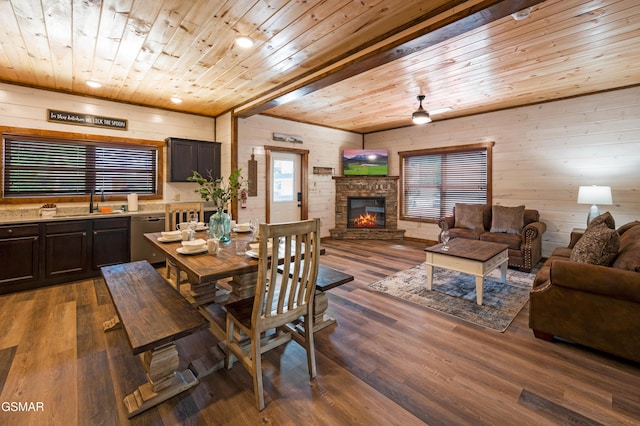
(367, 186)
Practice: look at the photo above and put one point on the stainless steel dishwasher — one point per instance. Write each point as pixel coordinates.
(140, 248)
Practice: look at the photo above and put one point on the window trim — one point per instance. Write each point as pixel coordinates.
(443, 150)
(80, 138)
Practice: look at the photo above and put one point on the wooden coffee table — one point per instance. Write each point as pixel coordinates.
(472, 257)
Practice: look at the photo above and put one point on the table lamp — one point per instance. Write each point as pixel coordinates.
(594, 195)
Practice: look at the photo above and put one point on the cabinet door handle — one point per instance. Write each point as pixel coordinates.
(10, 231)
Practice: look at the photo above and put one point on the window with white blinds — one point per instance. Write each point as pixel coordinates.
(43, 167)
(433, 181)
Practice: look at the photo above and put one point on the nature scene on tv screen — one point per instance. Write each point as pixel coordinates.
(362, 162)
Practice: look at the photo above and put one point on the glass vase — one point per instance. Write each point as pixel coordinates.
(220, 226)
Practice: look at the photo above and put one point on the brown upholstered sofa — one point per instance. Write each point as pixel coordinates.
(517, 227)
(594, 305)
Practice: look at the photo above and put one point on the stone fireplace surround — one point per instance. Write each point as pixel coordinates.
(367, 186)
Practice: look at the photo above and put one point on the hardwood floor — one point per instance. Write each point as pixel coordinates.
(387, 362)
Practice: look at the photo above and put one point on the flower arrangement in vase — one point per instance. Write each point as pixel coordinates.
(220, 193)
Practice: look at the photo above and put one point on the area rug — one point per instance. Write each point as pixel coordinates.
(454, 293)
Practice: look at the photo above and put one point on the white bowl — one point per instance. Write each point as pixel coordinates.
(171, 234)
(194, 245)
(243, 227)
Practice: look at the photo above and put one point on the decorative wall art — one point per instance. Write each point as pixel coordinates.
(281, 137)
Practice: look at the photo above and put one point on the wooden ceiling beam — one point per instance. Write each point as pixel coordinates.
(468, 18)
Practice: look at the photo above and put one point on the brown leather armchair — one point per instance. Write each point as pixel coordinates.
(525, 248)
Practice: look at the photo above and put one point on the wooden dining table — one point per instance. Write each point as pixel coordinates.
(239, 272)
(204, 270)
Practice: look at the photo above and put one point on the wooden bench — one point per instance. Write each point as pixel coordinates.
(153, 315)
(328, 278)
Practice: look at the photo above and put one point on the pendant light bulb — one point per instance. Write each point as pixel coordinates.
(420, 116)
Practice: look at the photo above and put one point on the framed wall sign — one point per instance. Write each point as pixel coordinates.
(81, 119)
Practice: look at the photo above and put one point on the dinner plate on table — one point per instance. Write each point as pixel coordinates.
(181, 250)
(255, 254)
(202, 228)
(241, 231)
(252, 253)
(168, 240)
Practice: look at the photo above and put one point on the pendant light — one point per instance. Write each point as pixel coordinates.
(421, 116)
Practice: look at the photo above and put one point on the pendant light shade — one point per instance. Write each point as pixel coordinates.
(420, 116)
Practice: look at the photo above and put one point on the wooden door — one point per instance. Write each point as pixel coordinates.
(300, 206)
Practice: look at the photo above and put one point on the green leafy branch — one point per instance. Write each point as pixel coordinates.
(218, 190)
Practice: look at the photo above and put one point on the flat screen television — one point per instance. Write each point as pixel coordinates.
(365, 162)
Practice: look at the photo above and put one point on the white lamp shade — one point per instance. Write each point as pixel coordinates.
(594, 195)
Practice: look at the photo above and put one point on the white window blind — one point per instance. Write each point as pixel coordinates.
(35, 167)
(433, 181)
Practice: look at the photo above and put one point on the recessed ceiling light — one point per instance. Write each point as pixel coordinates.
(176, 100)
(244, 42)
(94, 84)
(522, 14)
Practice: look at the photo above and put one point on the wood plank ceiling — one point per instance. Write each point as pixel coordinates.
(353, 65)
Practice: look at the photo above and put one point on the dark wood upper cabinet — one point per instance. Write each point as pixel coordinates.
(187, 155)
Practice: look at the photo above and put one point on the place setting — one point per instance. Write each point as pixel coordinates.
(254, 250)
(196, 246)
(242, 228)
(170, 236)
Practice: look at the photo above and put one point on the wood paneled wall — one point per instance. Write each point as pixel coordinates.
(542, 154)
(27, 107)
(325, 150)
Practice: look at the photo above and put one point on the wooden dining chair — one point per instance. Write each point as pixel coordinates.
(280, 299)
(174, 214)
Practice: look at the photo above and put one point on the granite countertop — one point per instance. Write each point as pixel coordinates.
(36, 218)
(32, 215)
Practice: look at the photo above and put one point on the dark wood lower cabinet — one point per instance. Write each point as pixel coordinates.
(40, 254)
(20, 254)
(66, 248)
(111, 242)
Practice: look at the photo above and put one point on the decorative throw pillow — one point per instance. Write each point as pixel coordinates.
(599, 246)
(605, 218)
(469, 216)
(507, 219)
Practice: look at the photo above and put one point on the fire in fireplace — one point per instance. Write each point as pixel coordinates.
(365, 212)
